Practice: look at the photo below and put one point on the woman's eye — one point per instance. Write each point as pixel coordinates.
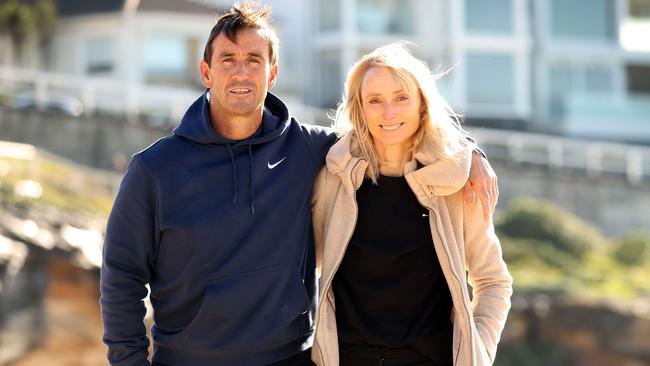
(374, 101)
(402, 98)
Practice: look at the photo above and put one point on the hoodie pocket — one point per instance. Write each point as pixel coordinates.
(250, 311)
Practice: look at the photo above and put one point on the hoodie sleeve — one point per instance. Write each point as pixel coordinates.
(318, 216)
(127, 255)
(320, 140)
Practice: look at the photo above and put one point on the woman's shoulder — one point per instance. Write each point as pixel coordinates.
(443, 176)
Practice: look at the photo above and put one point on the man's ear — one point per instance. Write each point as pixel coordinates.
(272, 77)
(204, 70)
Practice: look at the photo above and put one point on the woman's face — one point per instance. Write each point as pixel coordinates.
(392, 113)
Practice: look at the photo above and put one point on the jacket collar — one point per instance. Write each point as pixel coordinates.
(439, 177)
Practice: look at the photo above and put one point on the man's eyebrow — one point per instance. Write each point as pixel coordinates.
(231, 54)
(225, 54)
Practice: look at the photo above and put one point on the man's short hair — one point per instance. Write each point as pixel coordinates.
(241, 16)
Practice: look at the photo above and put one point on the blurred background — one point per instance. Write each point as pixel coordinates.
(557, 92)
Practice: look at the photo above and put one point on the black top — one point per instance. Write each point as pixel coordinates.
(389, 289)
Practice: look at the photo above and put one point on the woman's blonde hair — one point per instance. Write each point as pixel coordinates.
(439, 132)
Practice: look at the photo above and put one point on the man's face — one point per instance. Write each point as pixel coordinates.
(239, 74)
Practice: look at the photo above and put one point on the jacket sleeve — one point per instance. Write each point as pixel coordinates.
(318, 217)
(489, 277)
(127, 257)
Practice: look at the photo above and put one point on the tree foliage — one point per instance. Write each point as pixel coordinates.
(20, 19)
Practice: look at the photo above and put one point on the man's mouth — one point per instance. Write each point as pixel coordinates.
(391, 127)
(240, 91)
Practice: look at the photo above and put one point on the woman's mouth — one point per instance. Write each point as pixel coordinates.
(391, 127)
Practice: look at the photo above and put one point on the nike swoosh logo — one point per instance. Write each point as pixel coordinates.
(271, 166)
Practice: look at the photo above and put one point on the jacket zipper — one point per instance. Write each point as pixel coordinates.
(460, 284)
(338, 262)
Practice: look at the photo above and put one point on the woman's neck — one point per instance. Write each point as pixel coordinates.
(392, 159)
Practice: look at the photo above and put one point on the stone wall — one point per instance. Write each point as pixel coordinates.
(610, 203)
(542, 330)
(101, 142)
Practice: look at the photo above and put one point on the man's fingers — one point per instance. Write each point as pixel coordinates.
(486, 203)
(495, 195)
(468, 191)
(487, 209)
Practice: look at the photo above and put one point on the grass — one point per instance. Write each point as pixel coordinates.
(65, 186)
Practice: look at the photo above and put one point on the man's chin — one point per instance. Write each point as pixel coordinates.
(244, 111)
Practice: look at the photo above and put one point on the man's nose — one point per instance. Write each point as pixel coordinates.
(241, 71)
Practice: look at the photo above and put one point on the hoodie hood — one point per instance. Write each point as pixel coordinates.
(196, 123)
(441, 177)
(196, 126)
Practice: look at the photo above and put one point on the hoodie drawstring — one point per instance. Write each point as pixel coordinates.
(235, 193)
(252, 202)
(234, 178)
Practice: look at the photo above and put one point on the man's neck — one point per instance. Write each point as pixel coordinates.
(235, 127)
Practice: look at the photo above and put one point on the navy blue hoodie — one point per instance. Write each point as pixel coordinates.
(221, 231)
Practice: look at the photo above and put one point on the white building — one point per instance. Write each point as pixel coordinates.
(141, 56)
(579, 67)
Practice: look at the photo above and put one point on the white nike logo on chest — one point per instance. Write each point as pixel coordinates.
(271, 166)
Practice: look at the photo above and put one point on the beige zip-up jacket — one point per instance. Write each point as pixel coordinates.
(463, 240)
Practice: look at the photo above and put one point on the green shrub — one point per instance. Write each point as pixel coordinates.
(633, 249)
(545, 222)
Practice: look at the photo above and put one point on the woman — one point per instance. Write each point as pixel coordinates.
(394, 236)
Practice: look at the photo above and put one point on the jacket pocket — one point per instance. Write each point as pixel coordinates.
(251, 311)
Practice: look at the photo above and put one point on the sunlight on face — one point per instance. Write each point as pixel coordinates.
(391, 109)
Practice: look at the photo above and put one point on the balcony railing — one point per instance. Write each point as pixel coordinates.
(88, 96)
(592, 157)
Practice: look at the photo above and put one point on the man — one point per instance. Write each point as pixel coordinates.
(217, 220)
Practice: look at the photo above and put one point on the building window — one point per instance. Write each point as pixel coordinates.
(585, 79)
(583, 19)
(493, 17)
(634, 29)
(490, 79)
(166, 59)
(330, 78)
(640, 9)
(567, 81)
(386, 16)
(329, 15)
(99, 54)
(638, 79)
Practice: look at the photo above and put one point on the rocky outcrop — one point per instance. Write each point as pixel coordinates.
(548, 330)
(38, 244)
